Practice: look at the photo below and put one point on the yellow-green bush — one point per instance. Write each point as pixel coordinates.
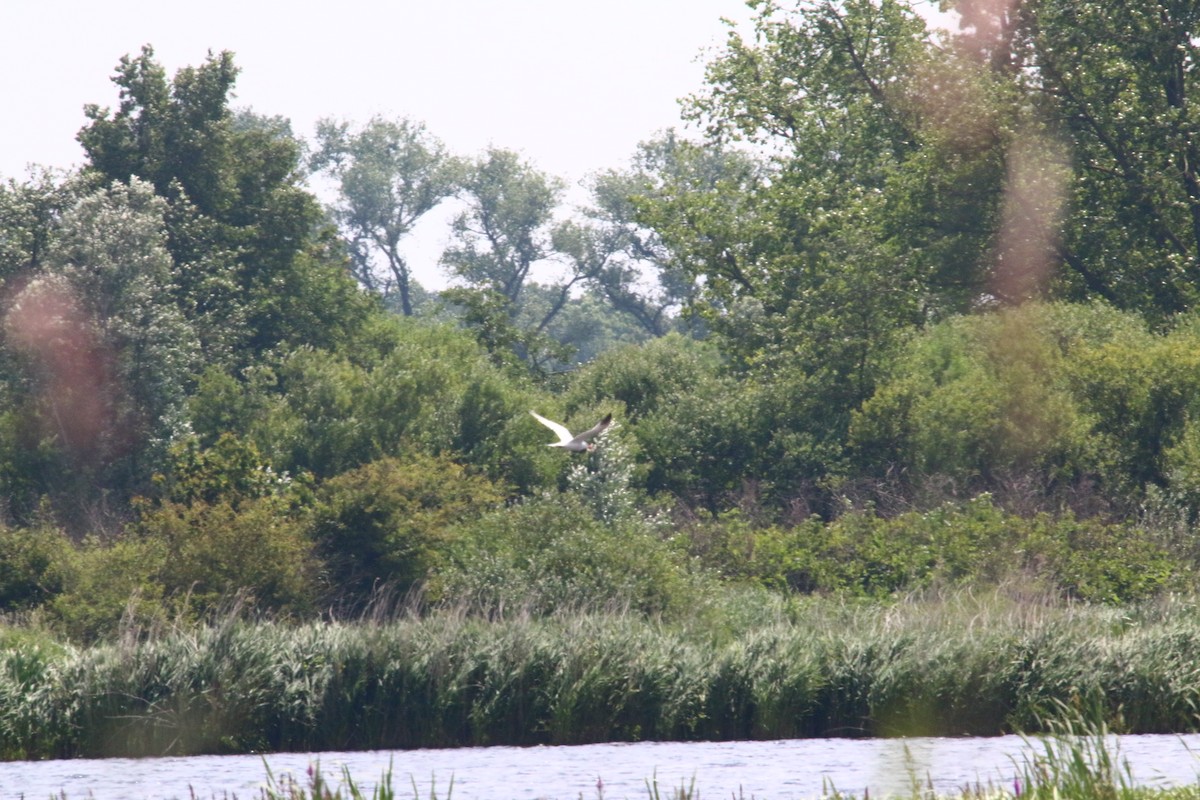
(551, 553)
(30, 568)
(390, 521)
(106, 581)
(212, 552)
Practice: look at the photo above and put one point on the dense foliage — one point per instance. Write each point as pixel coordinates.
(915, 311)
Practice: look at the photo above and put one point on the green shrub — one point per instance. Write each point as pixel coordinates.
(105, 581)
(1142, 393)
(213, 552)
(231, 470)
(644, 377)
(735, 548)
(976, 543)
(701, 445)
(550, 553)
(390, 521)
(30, 569)
(1045, 400)
(1102, 562)
(977, 400)
(427, 387)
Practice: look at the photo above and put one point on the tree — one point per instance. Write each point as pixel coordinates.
(29, 211)
(639, 274)
(389, 175)
(587, 326)
(245, 235)
(874, 136)
(833, 206)
(106, 352)
(506, 230)
(1116, 80)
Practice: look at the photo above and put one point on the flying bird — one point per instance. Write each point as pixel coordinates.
(576, 444)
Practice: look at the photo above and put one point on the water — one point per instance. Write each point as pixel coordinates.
(778, 770)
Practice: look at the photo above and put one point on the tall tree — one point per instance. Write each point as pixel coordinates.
(828, 231)
(869, 126)
(506, 227)
(29, 210)
(506, 230)
(903, 178)
(637, 210)
(1047, 148)
(1119, 82)
(243, 231)
(389, 175)
(106, 354)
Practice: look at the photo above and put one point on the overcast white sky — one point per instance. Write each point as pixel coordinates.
(572, 84)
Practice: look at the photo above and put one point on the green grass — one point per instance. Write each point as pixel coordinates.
(757, 668)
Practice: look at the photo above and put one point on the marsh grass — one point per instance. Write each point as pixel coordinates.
(318, 787)
(949, 665)
(1077, 760)
(1080, 758)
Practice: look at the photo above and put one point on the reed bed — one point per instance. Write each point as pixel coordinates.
(956, 665)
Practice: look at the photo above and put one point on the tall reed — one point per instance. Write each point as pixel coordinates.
(956, 665)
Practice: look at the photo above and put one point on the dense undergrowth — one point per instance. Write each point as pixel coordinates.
(582, 547)
(746, 666)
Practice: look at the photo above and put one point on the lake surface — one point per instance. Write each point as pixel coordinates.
(778, 770)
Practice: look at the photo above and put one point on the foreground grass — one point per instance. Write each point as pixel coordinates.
(347, 789)
(1077, 761)
(760, 668)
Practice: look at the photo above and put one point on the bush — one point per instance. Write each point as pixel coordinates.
(231, 470)
(107, 581)
(389, 521)
(214, 552)
(1098, 562)
(702, 445)
(30, 568)
(978, 400)
(975, 543)
(1142, 393)
(1071, 405)
(736, 549)
(428, 388)
(644, 377)
(550, 553)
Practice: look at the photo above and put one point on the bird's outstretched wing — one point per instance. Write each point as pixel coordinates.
(564, 435)
(595, 431)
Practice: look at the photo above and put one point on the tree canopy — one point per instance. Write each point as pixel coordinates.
(253, 269)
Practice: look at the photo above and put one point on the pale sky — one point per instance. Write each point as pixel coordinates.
(572, 84)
